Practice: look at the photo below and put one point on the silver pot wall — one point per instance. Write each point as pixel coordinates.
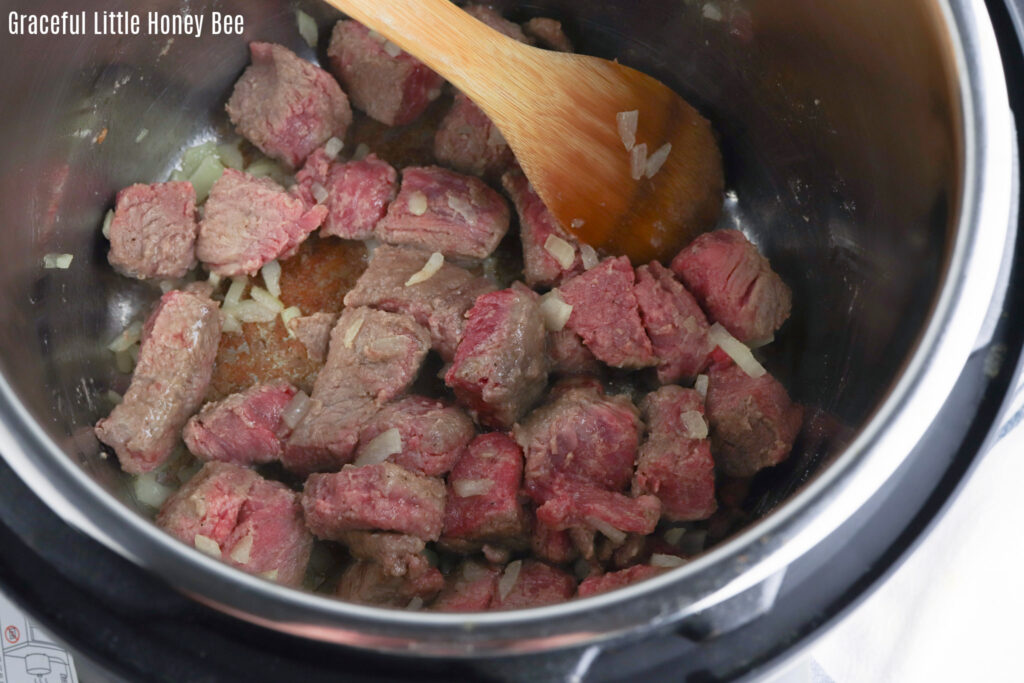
(869, 152)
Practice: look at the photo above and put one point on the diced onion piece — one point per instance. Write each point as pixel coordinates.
(428, 270)
(415, 604)
(127, 338)
(638, 161)
(673, 536)
(555, 311)
(269, 576)
(320, 193)
(657, 160)
(392, 49)
(235, 291)
(107, 220)
(228, 322)
(758, 343)
(268, 168)
(695, 425)
(627, 122)
(250, 311)
(205, 176)
(736, 350)
(166, 286)
(207, 545)
(561, 251)
(693, 542)
(352, 332)
(59, 261)
(700, 385)
(267, 299)
(467, 488)
(271, 272)
(613, 534)
(242, 552)
(508, 580)
(296, 410)
(214, 280)
(711, 12)
(231, 156)
(287, 316)
(380, 448)
(113, 397)
(589, 256)
(142, 135)
(307, 28)
(362, 149)
(333, 148)
(417, 203)
(149, 491)
(660, 560)
(194, 157)
(123, 361)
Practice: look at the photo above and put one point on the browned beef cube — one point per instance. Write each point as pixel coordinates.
(437, 303)
(569, 356)
(753, 421)
(382, 497)
(735, 284)
(468, 141)
(536, 226)
(248, 522)
(548, 33)
(433, 434)
(368, 583)
(605, 314)
(249, 221)
(470, 588)
(572, 504)
(314, 331)
(374, 356)
(677, 327)
(483, 495)
(492, 18)
(440, 210)
(603, 583)
(501, 366)
(535, 585)
(244, 428)
(552, 545)
(153, 233)
(397, 554)
(358, 192)
(286, 106)
(675, 464)
(387, 83)
(179, 345)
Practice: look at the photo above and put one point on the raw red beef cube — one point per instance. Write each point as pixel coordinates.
(314, 331)
(249, 221)
(255, 524)
(153, 233)
(753, 420)
(179, 345)
(603, 583)
(569, 356)
(358, 192)
(548, 33)
(438, 303)
(440, 210)
(244, 428)
(397, 554)
(433, 434)
(501, 366)
(575, 504)
(536, 226)
(493, 19)
(735, 284)
(468, 141)
(286, 106)
(470, 588)
(483, 488)
(368, 583)
(674, 464)
(382, 497)
(551, 545)
(535, 585)
(387, 83)
(605, 314)
(677, 327)
(327, 436)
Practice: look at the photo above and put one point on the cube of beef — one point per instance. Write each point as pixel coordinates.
(501, 365)
(572, 504)
(374, 356)
(314, 331)
(605, 314)
(532, 584)
(548, 33)
(440, 210)
(433, 435)
(677, 327)
(552, 545)
(602, 583)
(244, 428)
(153, 232)
(536, 226)
(438, 303)
(470, 588)
(248, 522)
(397, 554)
(357, 192)
(382, 497)
(468, 141)
(735, 284)
(492, 18)
(387, 83)
(753, 421)
(675, 464)
(483, 505)
(569, 356)
(249, 221)
(367, 583)
(286, 106)
(179, 345)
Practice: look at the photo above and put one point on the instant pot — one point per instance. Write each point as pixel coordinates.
(870, 151)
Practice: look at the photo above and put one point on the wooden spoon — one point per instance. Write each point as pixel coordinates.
(558, 113)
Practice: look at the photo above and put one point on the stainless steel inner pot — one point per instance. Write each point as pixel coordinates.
(868, 153)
